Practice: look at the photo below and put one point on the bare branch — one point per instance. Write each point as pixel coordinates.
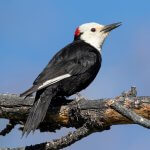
(87, 116)
(130, 115)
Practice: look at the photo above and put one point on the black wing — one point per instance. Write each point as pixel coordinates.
(73, 59)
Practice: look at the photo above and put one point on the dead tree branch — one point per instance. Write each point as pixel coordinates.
(87, 116)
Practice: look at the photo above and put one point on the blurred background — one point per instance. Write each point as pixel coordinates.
(32, 31)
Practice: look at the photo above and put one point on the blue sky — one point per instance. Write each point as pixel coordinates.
(32, 31)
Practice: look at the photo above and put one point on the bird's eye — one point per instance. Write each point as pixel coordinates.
(93, 29)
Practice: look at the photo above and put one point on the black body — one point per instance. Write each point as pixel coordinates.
(79, 59)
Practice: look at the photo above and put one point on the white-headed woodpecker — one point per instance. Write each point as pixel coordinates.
(71, 70)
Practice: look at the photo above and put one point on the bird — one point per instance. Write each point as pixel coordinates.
(70, 70)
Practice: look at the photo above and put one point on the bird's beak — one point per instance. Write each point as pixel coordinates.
(110, 27)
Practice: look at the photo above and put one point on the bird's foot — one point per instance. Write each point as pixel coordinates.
(79, 97)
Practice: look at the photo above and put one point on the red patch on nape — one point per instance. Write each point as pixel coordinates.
(77, 32)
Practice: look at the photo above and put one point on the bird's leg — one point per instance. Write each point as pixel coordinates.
(79, 97)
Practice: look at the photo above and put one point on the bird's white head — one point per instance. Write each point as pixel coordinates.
(94, 33)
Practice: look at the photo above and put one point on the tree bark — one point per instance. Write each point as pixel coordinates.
(87, 116)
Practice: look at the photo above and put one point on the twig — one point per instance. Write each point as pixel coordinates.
(64, 141)
(130, 114)
(8, 128)
(56, 144)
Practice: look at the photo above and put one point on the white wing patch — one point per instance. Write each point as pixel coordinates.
(54, 80)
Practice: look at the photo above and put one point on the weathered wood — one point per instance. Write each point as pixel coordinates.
(16, 108)
(88, 116)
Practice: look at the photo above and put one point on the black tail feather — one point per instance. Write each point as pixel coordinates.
(37, 113)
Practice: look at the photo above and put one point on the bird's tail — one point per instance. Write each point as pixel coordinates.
(37, 112)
